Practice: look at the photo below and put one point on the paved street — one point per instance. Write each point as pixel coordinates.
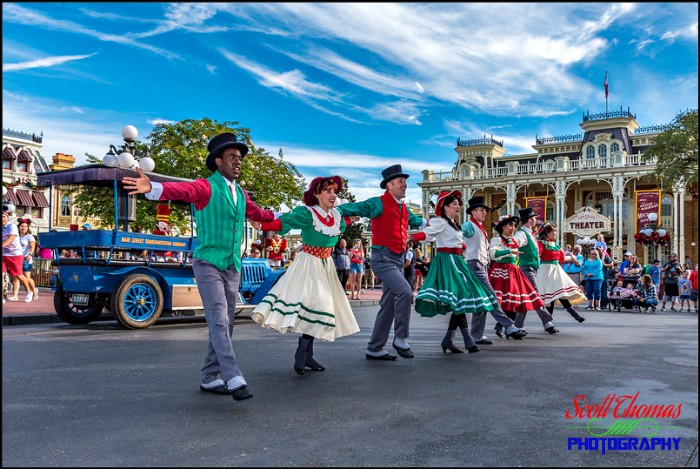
(100, 395)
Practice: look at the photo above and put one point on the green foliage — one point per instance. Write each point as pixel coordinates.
(353, 232)
(345, 193)
(676, 151)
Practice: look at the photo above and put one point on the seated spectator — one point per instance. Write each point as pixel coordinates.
(647, 294)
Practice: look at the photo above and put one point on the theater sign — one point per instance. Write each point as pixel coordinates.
(586, 221)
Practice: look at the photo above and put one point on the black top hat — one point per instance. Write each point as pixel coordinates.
(526, 213)
(475, 202)
(220, 143)
(392, 172)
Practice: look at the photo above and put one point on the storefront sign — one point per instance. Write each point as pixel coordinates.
(647, 202)
(538, 205)
(587, 222)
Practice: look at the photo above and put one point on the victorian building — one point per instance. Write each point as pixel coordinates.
(21, 162)
(586, 183)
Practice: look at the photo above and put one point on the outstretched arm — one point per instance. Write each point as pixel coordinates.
(139, 185)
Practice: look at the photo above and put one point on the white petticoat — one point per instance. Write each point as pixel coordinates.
(308, 299)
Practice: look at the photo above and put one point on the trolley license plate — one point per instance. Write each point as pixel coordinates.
(80, 299)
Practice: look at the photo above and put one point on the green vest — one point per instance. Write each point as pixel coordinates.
(220, 225)
(529, 255)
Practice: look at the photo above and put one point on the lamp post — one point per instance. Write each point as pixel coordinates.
(652, 235)
(126, 157)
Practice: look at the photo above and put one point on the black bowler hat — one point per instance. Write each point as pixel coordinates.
(220, 143)
(526, 213)
(392, 172)
(476, 202)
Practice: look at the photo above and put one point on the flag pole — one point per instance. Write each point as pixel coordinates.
(605, 84)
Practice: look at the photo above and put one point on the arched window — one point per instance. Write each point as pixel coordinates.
(602, 151)
(590, 152)
(65, 206)
(614, 147)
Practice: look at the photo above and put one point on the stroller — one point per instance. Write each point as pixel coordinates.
(616, 301)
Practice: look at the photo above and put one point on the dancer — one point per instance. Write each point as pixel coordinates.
(514, 291)
(450, 286)
(477, 256)
(554, 283)
(390, 221)
(221, 206)
(529, 261)
(308, 299)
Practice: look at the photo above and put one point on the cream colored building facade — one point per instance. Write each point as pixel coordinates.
(600, 168)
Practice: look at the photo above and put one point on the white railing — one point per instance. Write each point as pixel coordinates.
(514, 169)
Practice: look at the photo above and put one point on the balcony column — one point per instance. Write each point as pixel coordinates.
(681, 221)
(510, 197)
(560, 210)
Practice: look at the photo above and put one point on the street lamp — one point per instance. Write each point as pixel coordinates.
(652, 235)
(126, 156)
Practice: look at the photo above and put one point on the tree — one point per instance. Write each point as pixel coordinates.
(180, 150)
(676, 151)
(356, 228)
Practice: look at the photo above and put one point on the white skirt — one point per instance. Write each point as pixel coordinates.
(308, 299)
(554, 283)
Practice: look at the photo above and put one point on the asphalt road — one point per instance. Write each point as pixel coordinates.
(100, 395)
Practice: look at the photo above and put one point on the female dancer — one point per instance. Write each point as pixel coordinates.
(308, 298)
(514, 291)
(450, 285)
(554, 283)
(357, 267)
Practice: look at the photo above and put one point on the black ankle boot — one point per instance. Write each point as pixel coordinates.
(300, 355)
(447, 343)
(310, 362)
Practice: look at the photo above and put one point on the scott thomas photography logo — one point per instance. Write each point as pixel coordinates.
(623, 423)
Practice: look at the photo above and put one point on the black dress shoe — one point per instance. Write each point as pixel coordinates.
(552, 330)
(473, 349)
(517, 335)
(485, 341)
(386, 357)
(241, 394)
(404, 352)
(221, 389)
(581, 319)
(499, 330)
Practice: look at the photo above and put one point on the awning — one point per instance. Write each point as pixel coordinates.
(24, 156)
(40, 199)
(8, 154)
(11, 197)
(25, 198)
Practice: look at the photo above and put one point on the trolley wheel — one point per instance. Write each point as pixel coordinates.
(137, 302)
(74, 314)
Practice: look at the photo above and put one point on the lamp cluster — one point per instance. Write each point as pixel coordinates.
(652, 235)
(126, 156)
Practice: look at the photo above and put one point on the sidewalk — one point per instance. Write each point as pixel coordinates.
(41, 311)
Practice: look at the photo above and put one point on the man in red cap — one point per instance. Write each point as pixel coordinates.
(390, 221)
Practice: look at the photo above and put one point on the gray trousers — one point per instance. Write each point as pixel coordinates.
(395, 304)
(545, 317)
(219, 292)
(479, 320)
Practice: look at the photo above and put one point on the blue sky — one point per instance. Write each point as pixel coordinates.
(344, 88)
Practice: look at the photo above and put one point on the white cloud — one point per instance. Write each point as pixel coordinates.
(45, 62)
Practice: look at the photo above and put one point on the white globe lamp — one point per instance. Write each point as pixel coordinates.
(125, 159)
(662, 232)
(109, 159)
(653, 217)
(147, 164)
(129, 132)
